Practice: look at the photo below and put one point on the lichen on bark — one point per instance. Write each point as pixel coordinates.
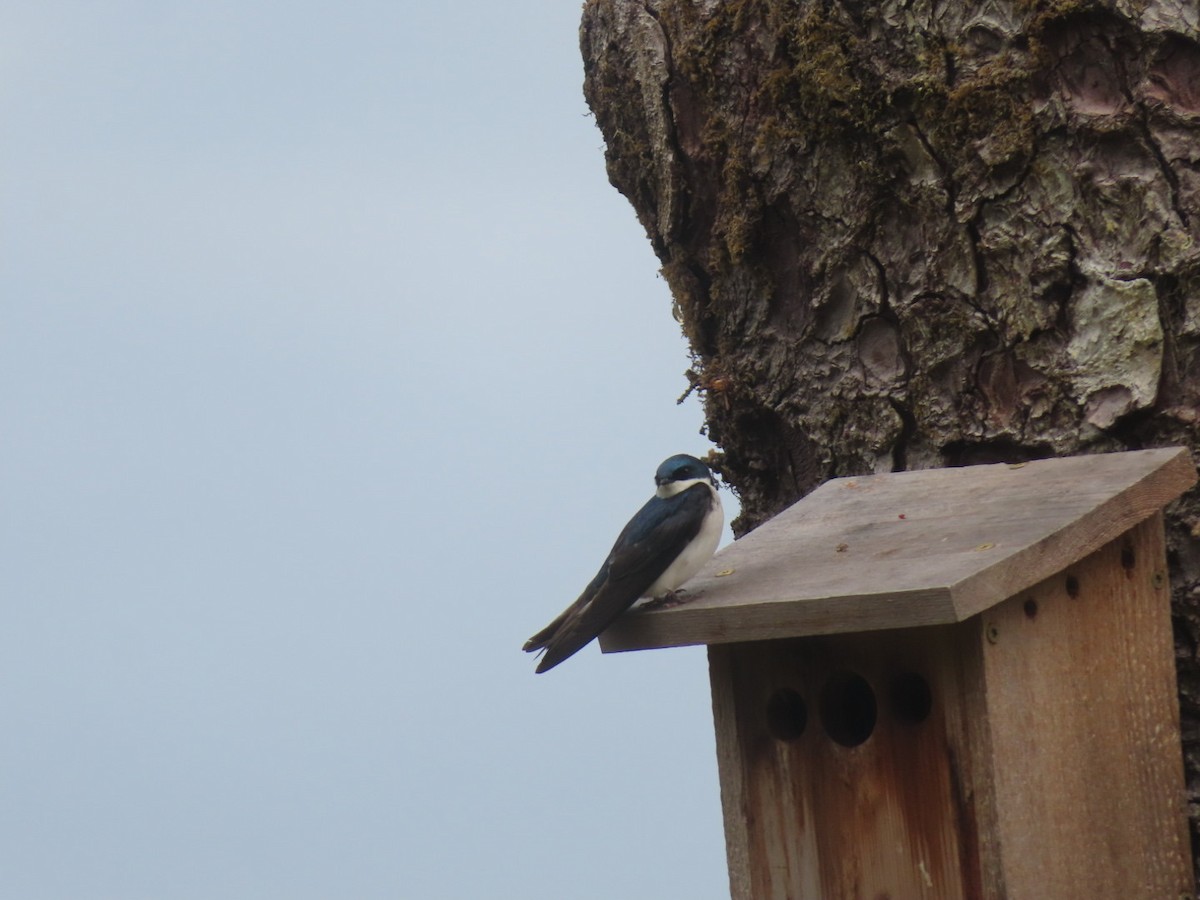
(914, 234)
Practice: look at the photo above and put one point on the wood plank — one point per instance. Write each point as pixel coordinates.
(808, 818)
(910, 548)
(1084, 731)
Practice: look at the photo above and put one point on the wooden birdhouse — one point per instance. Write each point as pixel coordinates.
(953, 683)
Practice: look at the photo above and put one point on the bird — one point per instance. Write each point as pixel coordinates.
(666, 542)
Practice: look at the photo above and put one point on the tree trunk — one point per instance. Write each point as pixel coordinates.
(913, 234)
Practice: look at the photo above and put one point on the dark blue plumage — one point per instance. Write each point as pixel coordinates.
(662, 546)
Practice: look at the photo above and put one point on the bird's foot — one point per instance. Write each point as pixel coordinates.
(676, 597)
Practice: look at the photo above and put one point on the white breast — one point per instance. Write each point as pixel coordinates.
(695, 554)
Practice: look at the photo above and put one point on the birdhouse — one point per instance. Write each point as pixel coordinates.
(952, 683)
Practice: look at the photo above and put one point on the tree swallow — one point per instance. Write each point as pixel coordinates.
(664, 545)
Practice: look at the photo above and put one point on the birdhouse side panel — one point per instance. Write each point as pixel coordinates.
(1084, 730)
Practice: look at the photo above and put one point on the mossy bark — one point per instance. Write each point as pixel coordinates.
(909, 234)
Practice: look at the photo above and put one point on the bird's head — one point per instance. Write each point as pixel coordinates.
(679, 473)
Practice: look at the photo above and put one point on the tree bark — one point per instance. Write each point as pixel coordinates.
(915, 234)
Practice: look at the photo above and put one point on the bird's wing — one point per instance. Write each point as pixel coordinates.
(643, 551)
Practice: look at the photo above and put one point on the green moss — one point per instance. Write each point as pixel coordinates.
(992, 105)
(824, 74)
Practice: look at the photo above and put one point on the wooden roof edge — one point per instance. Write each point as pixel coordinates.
(776, 619)
(1077, 539)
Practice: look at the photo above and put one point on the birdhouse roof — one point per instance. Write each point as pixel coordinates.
(909, 549)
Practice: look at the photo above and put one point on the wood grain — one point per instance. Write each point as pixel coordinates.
(1084, 730)
(809, 818)
(910, 548)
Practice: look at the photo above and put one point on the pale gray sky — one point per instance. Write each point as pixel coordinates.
(331, 367)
